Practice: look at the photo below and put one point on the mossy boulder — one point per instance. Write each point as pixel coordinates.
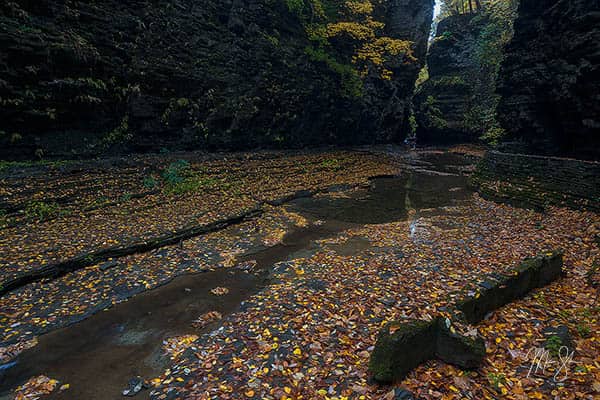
(459, 350)
(401, 346)
(404, 345)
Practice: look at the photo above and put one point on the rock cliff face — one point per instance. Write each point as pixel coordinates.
(444, 102)
(550, 80)
(89, 77)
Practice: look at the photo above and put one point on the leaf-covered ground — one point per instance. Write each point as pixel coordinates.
(42, 306)
(309, 333)
(64, 211)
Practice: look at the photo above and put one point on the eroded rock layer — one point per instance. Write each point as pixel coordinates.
(444, 102)
(550, 79)
(91, 77)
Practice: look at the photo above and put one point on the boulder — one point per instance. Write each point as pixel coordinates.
(459, 350)
(404, 345)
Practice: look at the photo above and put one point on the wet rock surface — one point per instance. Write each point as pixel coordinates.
(331, 285)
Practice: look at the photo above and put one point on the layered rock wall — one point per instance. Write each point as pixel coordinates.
(539, 181)
(80, 78)
(550, 79)
(444, 102)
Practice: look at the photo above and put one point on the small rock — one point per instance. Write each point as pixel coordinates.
(487, 285)
(135, 385)
(403, 394)
(316, 285)
(107, 265)
(562, 333)
(388, 301)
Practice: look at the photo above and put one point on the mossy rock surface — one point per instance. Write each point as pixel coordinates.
(404, 345)
(531, 273)
(83, 78)
(401, 346)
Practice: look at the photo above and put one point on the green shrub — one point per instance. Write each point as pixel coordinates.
(192, 184)
(332, 164)
(412, 123)
(444, 36)
(173, 174)
(179, 178)
(493, 135)
(496, 380)
(150, 182)
(352, 85)
(120, 134)
(553, 345)
(295, 6)
(434, 116)
(41, 211)
(584, 330)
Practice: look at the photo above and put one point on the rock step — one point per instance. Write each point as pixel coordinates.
(403, 345)
(496, 292)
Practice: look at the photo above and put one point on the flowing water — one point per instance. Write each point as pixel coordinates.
(99, 355)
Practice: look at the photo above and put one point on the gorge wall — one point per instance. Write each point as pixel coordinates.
(458, 101)
(445, 100)
(82, 78)
(536, 181)
(550, 79)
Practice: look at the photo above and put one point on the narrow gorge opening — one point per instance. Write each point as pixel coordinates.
(456, 95)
